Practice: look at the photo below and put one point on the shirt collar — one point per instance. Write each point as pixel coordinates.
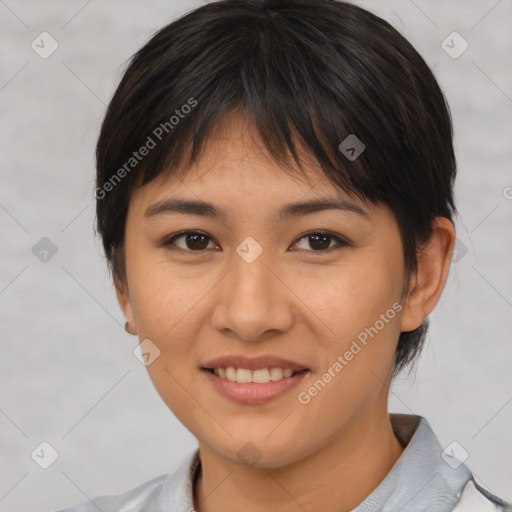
(420, 480)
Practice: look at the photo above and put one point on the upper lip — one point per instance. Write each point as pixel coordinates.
(253, 363)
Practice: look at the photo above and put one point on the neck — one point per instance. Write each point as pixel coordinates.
(339, 476)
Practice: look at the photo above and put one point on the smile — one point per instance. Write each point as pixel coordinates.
(255, 386)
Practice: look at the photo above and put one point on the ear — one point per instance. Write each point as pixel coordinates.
(124, 301)
(430, 278)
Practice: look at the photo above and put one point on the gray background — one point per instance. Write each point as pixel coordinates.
(68, 375)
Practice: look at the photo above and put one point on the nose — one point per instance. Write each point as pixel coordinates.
(252, 302)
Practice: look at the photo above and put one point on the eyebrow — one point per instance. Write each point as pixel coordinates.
(206, 209)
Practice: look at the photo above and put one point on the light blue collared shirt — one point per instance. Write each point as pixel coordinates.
(422, 479)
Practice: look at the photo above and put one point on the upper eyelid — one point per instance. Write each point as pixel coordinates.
(340, 242)
(169, 240)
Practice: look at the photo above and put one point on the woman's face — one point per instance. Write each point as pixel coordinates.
(252, 284)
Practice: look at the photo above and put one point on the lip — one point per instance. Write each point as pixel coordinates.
(251, 393)
(253, 363)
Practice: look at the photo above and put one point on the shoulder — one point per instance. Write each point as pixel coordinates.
(477, 499)
(135, 498)
(165, 492)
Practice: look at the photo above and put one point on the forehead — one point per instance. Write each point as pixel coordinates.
(235, 164)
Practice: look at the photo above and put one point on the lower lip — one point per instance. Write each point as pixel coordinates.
(250, 392)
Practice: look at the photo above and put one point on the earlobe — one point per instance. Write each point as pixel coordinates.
(123, 299)
(428, 282)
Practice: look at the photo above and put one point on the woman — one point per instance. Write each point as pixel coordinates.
(275, 198)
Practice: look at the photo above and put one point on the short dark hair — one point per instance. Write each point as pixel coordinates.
(306, 74)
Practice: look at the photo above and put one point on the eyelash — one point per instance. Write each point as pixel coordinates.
(342, 243)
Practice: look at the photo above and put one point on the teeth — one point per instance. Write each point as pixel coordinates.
(259, 376)
(231, 374)
(243, 375)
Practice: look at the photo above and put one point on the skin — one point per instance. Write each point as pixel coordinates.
(293, 302)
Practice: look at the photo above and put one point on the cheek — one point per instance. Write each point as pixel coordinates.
(362, 310)
(359, 292)
(166, 310)
(164, 296)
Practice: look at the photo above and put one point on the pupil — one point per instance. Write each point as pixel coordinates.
(315, 238)
(192, 241)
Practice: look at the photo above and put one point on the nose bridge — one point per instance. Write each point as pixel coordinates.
(250, 265)
(250, 272)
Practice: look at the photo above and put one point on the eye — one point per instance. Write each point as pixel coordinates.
(197, 241)
(320, 241)
(192, 241)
